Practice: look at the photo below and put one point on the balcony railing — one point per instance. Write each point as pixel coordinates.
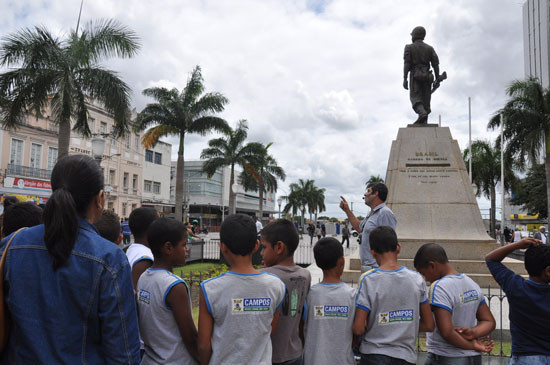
(27, 171)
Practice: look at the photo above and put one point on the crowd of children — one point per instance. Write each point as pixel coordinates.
(274, 314)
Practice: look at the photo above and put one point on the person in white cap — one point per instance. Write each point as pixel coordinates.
(541, 235)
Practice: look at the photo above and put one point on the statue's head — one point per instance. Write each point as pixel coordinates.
(418, 33)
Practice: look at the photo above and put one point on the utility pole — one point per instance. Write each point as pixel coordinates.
(470, 131)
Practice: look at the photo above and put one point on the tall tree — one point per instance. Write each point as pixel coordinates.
(62, 75)
(262, 175)
(179, 113)
(373, 180)
(530, 191)
(526, 125)
(316, 199)
(486, 174)
(231, 150)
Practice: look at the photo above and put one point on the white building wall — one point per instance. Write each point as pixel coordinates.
(157, 173)
(536, 40)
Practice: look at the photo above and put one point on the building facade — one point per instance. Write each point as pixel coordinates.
(156, 177)
(206, 200)
(28, 154)
(536, 40)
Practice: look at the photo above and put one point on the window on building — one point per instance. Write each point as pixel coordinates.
(36, 156)
(149, 156)
(128, 140)
(156, 187)
(91, 125)
(125, 180)
(103, 127)
(52, 157)
(110, 206)
(137, 142)
(112, 177)
(147, 186)
(134, 207)
(134, 182)
(158, 158)
(124, 209)
(16, 153)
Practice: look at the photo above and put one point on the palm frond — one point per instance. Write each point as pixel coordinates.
(152, 135)
(204, 125)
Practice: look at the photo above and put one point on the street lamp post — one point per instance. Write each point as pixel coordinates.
(280, 201)
(98, 148)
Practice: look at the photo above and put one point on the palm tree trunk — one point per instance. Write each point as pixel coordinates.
(179, 181)
(261, 207)
(493, 216)
(232, 194)
(63, 139)
(547, 170)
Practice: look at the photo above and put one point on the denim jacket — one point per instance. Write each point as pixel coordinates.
(82, 313)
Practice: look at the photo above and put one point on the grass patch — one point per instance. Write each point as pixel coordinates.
(197, 268)
(196, 316)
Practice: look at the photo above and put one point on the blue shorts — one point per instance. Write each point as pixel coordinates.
(530, 360)
(433, 359)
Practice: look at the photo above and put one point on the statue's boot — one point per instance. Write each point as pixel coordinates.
(422, 114)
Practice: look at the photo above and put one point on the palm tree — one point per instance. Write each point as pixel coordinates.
(63, 75)
(373, 180)
(230, 150)
(178, 113)
(316, 200)
(261, 176)
(526, 125)
(486, 174)
(299, 197)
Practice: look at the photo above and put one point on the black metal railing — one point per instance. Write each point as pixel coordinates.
(27, 171)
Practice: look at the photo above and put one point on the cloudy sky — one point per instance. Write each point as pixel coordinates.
(320, 79)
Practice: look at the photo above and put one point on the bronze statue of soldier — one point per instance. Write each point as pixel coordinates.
(418, 58)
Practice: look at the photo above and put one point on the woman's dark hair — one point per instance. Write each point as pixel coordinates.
(76, 180)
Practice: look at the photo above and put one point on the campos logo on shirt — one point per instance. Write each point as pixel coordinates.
(247, 305)
(469, 296)
(144, 296)
(402, 315)
(331, 311)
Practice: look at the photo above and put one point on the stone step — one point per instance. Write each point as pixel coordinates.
(475, 269)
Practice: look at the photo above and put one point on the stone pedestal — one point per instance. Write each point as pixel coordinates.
(432, 198)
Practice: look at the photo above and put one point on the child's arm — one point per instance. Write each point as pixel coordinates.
(444, 323)
(206, 324)
(138, 269)
(500, 253)
(178, 300)
(360, 321)
(275, 320)
(486, 324)
(426, 318)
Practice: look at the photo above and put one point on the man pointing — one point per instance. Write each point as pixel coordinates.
(380, 215)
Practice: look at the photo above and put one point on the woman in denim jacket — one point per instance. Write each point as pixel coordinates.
(69, 291)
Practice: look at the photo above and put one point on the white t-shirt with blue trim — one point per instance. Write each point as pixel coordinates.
(461, 296)
(157, 325)
(242, 306)
(392, 300)
(138, 252)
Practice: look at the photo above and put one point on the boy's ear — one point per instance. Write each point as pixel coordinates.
(398, 248)
(167, 248)
(341, 262)
(256, 246)
(373, 253)
(119, 239)
(279, 247)
(546, 273)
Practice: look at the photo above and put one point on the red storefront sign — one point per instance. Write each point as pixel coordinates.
(20, 183)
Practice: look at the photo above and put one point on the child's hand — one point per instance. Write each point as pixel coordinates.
(484, 344)
(466, 332)
(527, 242)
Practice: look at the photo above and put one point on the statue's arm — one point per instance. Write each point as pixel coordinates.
(406, 66)
(435, 63)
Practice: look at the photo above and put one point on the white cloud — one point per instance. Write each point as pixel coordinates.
(319, 78)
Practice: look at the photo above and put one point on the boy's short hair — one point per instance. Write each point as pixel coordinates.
(327, 251)
(140, 220)
(238, 233)
(537, 259)
(20, 215)
(282, 230)
(429, 252)
(164, 230)
(108, 226)
(383, 239)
